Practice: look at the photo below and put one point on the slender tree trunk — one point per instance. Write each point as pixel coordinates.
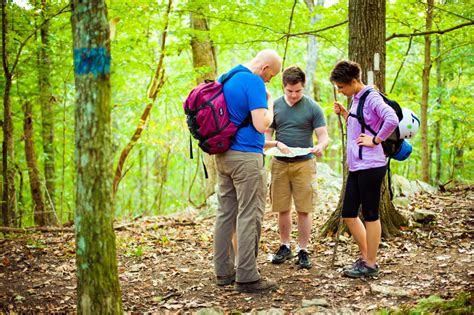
(63, 157)
(437, 125)
(425, 160)
(47, 103)
(8, 149)
(204, 61)
(40, 214)
(313, 51)
(142, 183)
(21, 203)
(155, 87)
(162, 177)
(98, 289)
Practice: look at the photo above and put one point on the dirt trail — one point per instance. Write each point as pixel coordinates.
(165, 264)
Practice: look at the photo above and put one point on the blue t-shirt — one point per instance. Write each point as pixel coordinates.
(243, 93)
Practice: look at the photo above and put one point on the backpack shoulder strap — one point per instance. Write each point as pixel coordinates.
(226, 77)
(393, 104)
(360, 111)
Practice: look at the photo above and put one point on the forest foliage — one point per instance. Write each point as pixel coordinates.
(159, 177)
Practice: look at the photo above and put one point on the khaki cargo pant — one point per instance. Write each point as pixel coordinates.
(241, 197)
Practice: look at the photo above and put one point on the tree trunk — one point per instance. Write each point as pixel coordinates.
(205, 63)
(313, 50)
(367, 47)
(161, 174)
(425, 160)
(367, 39)
(437, 125)
(143, 183)
(21, 203)
(47, 103)
(8, 149)
(98, 289)
(458, 159)
(40, 215)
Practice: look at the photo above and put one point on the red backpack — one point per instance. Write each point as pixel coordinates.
(207, 116)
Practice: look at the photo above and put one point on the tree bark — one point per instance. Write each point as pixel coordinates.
(98, 289)
(437, 125)
(425, 154)
(40, 214)
(47, 103)
(8, 149)
(366, 39)
(204, 62)
(367, 47)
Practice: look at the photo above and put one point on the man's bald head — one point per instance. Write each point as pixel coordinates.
(269, 56)
(266, 64)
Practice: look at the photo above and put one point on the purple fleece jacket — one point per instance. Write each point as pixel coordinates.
(376, 112)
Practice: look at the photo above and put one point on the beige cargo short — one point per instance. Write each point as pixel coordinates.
(293, 181)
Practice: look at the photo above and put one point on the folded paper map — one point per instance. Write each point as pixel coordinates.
(293, 152)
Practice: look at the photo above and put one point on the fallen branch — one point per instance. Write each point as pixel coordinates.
(120, 227)
(36, 229)
(125, 226)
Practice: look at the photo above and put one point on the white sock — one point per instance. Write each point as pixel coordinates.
(300, 248)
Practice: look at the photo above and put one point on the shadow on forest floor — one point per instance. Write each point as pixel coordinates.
(165, 264)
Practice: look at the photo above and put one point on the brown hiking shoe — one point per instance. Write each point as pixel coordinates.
(222, 281)
(256, 286)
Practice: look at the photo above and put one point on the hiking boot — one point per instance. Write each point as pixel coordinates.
(282, 254)
(222, 281)
(256, 286)
(303, 260)
(355, 264)
(362, 270)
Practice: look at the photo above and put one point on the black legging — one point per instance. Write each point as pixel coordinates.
(363, 187)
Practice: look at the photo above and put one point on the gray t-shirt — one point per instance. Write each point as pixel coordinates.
(294, 125)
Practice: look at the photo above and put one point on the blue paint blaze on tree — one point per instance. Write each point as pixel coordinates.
(92, 60)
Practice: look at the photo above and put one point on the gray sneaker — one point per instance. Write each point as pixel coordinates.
(282, 254)
(256, 286)
(355, 264)
(362, 270)
(303, 260)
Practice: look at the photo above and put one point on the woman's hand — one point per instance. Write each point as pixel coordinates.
(365, 140)
(339, 109)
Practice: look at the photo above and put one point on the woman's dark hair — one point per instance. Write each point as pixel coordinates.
(344, 71)
(293, 75)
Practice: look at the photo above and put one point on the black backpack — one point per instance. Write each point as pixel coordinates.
(395, 146)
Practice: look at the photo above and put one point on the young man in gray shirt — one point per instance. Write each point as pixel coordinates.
(296, 117)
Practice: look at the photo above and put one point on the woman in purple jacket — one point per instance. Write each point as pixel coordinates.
(367, 164)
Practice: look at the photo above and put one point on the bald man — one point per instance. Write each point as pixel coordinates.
(241, 175)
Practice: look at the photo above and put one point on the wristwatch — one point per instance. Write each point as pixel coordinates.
(374, 142)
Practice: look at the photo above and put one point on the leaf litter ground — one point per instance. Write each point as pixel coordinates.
(165, 265)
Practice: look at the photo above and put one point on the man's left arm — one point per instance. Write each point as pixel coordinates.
(323, 141)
